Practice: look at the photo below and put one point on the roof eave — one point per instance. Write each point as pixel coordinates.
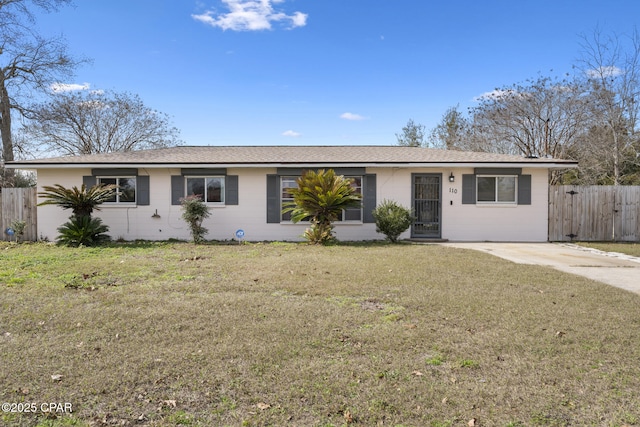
(157, 165)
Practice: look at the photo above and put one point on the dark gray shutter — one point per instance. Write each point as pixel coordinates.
(89, 181)
(273, 199)
(524, 190)
(177, 189)
(498, 171)
(368, 197)
(338, 171)
(231, 190)
(468, 189)
(114, 172)
(142, 187)
(350, 171)
(290, 171)
(203, 171)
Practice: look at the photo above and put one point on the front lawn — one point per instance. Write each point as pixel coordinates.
(632, 249)
(166, 334)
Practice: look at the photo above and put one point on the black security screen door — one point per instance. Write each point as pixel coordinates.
(426, 205)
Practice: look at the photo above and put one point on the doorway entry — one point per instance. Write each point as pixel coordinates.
(426, 195)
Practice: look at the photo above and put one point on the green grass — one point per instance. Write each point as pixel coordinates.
(166, 334)
(632, 249)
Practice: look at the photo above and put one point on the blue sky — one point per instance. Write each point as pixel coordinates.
(322, 72)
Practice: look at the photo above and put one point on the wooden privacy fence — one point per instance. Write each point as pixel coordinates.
(594, 213)
(19, 204)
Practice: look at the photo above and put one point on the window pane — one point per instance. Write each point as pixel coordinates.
(356, 183)
(287, 183)
(215, 190)
(195, 186)
(354, 214)
(506, 188)
(486, 189)
(109, 181)
(127, 190)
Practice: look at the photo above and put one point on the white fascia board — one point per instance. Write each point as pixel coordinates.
(485, 165)
(534, 165)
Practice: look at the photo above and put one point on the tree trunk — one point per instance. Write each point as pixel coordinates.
(5, 132)
(616, 157)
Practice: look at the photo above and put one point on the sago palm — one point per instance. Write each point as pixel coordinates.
(81, 229)
(82, 201)
(320, 198)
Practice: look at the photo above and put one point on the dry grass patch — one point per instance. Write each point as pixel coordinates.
(290, 334)
(632, 249)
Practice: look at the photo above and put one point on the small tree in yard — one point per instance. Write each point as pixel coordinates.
(81, 229)
(392, 219)
(194, 212)
(320, 198)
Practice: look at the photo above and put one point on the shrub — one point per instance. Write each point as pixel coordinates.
(194, 212)
(392, 219)
(320, 198)
(18, 227)
(83, 231)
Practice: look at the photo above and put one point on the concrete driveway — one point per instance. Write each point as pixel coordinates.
(614, 269)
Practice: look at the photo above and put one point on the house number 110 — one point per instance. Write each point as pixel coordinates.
(453, 190)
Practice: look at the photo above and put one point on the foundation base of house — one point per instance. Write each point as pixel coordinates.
(427, 240)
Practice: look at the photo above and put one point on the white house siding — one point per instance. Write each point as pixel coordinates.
(137, 222)
(459, 222)
(129, 223)
(507, 223)
(51, 217)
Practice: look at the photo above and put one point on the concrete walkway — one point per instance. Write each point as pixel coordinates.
(614, 269)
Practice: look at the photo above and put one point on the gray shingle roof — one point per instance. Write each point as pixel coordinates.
(288, 155)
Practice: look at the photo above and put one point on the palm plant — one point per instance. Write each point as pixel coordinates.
(82, 201)
(81, 229)
(320, 198)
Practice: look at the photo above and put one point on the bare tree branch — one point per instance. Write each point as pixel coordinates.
(412, 134)
(28, 62)
(92, 122)
(611, 67)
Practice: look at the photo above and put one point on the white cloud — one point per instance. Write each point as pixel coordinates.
(291, 133)
(607, 71)
(299, 19)
(68, 87)
(352, 116)
(251, 15)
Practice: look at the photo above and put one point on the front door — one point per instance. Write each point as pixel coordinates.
(427, 209)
